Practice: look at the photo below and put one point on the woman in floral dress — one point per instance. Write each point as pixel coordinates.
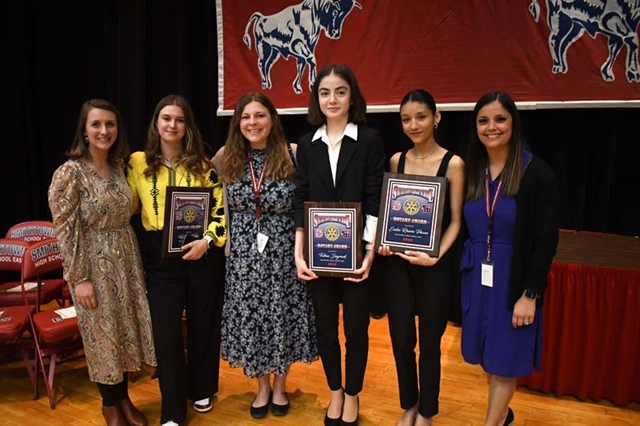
(267, 319)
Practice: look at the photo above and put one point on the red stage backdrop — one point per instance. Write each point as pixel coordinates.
(545, 53)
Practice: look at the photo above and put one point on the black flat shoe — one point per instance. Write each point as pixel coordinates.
(280, 410)
(510, 417)
(355, 422)
(259, 412)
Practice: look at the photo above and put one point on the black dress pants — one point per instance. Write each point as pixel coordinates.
(422, 291)
(174, 286)
(327, 294)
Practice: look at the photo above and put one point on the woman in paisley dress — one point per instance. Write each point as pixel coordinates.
(267, 319)
(91, 205)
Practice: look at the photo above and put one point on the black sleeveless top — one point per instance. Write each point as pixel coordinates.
(442, 172)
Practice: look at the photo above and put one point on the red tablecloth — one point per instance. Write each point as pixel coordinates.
(591, 334)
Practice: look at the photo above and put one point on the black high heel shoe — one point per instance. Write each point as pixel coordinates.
(355, 422)
(510, 417)
(328, 421)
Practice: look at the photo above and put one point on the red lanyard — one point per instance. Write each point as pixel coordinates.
(256, 185)
(491, 208)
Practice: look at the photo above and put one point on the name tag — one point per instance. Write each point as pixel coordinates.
(261, 241)
(487, 273)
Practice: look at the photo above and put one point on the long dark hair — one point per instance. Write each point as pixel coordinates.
(193, 157)
(476, 161)
(80, 147)
(358, 107)
(236, 149)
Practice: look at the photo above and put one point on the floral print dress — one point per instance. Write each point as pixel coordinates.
(267, 318)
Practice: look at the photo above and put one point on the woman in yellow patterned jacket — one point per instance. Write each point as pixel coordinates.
(193, 281)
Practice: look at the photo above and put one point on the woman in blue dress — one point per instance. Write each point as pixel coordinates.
(512, 212)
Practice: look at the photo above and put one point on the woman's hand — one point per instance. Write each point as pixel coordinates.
(364, 269)
(304, 273)
(385, 251)
(197, 249)
(418, 258)
(524, 312)
(85, 295)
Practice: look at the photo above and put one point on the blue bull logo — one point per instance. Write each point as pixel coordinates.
(294, 31)
(615, 19)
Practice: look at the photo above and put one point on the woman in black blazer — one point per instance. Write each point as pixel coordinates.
(341, 161)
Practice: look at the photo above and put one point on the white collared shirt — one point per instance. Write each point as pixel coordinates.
(350, 130)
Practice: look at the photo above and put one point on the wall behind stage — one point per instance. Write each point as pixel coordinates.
(58, 54)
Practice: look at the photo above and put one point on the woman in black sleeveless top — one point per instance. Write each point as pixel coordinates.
(417, 284)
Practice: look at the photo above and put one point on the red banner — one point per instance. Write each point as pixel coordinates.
(545, 53)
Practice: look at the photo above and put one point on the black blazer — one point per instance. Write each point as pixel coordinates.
(536, 230)
(359, 173)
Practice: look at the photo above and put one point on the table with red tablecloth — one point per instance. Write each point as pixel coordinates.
(591, 320)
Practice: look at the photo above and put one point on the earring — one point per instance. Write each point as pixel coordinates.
(436, 126)
(86, 139)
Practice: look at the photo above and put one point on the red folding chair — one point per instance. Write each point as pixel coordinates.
(32, 232)
(14, 320)
(52, 335)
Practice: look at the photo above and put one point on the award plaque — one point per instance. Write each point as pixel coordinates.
(333, 238)
(411, 209)
(186, 217)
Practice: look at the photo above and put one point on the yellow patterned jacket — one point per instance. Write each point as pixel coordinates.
(149, 195)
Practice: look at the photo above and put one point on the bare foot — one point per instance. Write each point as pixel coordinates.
(264, 392)
(335, 405)
(409, 417)
(422, 421)
(262, 398)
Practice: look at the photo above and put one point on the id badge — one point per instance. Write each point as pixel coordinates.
(262, 241)
(487, 273)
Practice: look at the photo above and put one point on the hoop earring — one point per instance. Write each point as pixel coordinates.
(436, 126)
(86, 139)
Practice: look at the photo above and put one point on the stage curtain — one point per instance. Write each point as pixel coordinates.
(591, 338)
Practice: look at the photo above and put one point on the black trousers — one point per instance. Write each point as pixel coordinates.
(327, 294)
(376, 286)
(417, 290)
(174, 286)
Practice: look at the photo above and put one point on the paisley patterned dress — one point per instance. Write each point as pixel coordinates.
(267, 318)
(91, 216)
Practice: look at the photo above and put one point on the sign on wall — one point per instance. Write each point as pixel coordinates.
(545, 53)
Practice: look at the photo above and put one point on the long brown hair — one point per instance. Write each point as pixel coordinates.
(236, 149)
(477, 160)
(80, 148)
(193, 157)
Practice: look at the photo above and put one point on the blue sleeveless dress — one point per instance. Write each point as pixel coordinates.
(488, 338)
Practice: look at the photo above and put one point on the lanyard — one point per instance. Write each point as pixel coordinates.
(255, 184)
(491, 208)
